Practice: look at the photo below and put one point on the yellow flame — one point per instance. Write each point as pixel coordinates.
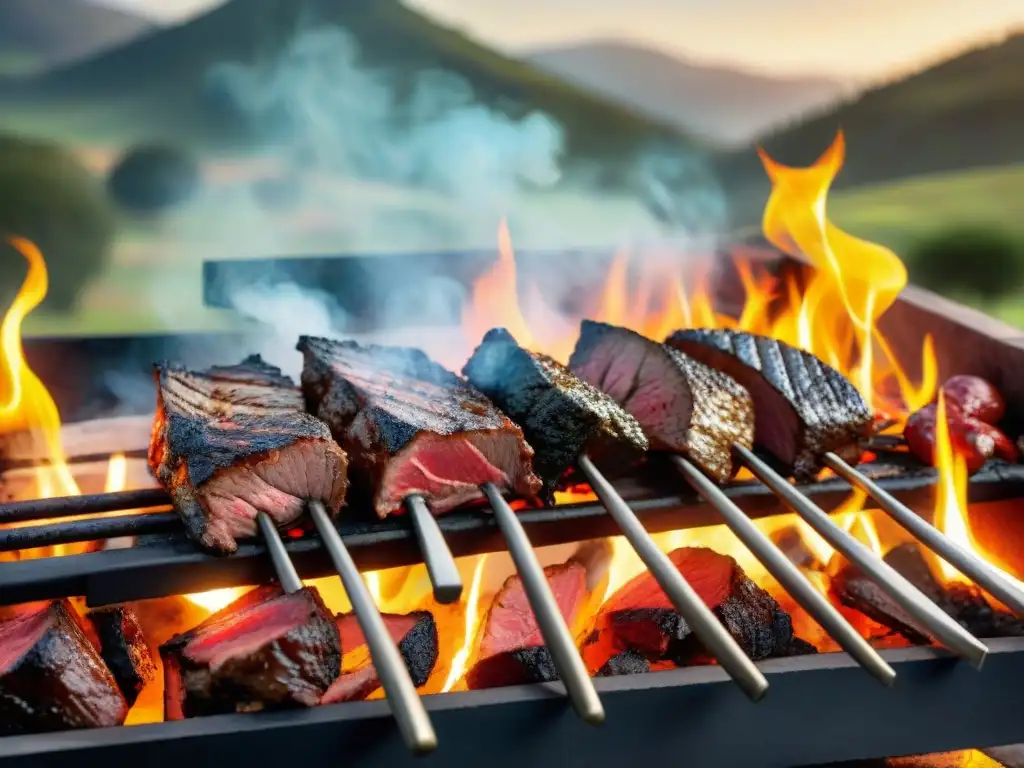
(117, 474)
(472, 600)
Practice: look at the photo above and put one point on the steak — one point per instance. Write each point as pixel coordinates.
(52, 677)
(267, 650)
(412, 427)
(803, 408)
(124, 649)
(561, 415)
(511, 649)
(683, 405)
(640, 618)
(232, 441)
(415, 634)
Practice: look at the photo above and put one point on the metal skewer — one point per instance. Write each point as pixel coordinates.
(286, 573)
(936, 622)
(788, 575)
(444, 574)
(410, 714)
(989, 578)
(571, 669)
(684, 598)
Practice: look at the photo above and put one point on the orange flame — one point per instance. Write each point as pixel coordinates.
(473, 615)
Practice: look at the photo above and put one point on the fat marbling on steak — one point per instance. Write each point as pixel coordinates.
(561, 415)
(803, 407)
(683, 405)
(229, 442)
(411, 426)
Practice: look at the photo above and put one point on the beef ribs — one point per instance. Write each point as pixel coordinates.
(232, 441)
(124, 649)
(267, 650)
(414, 633)
(561, 415)
(803, 408)
(412, 427)
(52, 677)
(640, 618)
(683, 405)
(511, 648)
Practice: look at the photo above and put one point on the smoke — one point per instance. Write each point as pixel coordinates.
(360, 162)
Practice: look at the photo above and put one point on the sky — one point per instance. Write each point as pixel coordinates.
(848, 39)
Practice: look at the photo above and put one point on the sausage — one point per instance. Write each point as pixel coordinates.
(975, 398)
(975, 445)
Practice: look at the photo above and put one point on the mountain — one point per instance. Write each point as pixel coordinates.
(965, 112)
(729, 106)
(160, 84)
(35, 34)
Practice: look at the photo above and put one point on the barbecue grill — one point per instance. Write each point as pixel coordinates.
(812, 701)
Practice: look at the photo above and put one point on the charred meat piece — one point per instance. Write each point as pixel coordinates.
(639, 617)
(412, 427)
(52, 677)
(683, 405)
(124, 649)
(802, 407)
(561, 416)
(267, 650)
(511, 649)
(232, 441)
(415, 634)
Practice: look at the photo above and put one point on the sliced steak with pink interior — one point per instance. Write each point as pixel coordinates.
(683, 405)
(412, 427)
(511, 648)
(267, 650)
(52, 677)
(232, 441)
(561, 415)
(803, 407)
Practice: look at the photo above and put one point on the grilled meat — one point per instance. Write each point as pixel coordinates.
(511, 649)
(267, 650)
(639, 616)
(802, 407)
(683, 405)
(124, 649)
(414, 633)
(412, 427)
(52, 677)
(561, 415)
(232, 441)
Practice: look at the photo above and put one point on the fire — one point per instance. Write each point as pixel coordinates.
(951, 499)
(471, 601)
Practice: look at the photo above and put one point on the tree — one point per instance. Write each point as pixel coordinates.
(152, 178)
(969, 260)
(48, 197)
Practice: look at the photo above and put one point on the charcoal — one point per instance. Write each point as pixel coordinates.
(627, 662)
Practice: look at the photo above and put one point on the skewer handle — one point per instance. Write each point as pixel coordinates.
(698, 616)
(788, 575)
(571, 669)
(933, 620)
(444, 573)
(286, 573)
(410, 714)
(989, 578)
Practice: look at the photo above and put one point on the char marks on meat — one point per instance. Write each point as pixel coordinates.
(511, 649)
(561, 415)
(640, 618)
(52, 677)
(412, 427)
(803, 407)
(124, 649)
(414, 633)
(232, 441)
(683, 405)
(267, 650)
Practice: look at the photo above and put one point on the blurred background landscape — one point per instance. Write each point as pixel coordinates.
(140, 137)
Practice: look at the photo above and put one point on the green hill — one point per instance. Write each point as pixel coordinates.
(153, 87)
(967, 112)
